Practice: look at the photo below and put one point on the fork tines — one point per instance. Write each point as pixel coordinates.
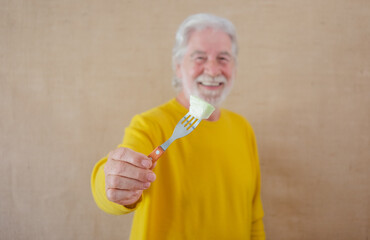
(189, 121)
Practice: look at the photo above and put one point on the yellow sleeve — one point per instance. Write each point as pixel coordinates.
(257, 231)
(141, 136)
(138, 138)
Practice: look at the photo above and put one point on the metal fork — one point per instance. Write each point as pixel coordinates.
(185, 126)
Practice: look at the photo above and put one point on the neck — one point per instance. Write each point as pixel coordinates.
(185, 102)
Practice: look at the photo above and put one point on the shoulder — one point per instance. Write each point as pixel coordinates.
(161, 114)
(150, 128)
(236, 119)
(159, 111)
(242, 125)
(157, 123)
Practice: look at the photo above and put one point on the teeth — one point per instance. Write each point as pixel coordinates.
(210, 84)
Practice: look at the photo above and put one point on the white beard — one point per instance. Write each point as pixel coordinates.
(214, 97)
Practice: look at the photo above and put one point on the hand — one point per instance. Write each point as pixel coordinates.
(127, 174)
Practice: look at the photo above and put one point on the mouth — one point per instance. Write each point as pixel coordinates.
(211, 84)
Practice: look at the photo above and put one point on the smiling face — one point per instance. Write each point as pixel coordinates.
(208, 66)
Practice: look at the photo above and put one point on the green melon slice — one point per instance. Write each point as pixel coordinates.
(199, 108)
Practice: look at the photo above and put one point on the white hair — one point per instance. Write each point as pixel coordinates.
(199, 22)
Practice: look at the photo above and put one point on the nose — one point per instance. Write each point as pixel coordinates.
(212, 68)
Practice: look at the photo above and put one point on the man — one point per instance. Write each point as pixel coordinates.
(207, 184)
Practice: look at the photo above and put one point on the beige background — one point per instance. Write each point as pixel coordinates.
(73, 73)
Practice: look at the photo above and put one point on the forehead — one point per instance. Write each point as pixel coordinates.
(210, 41)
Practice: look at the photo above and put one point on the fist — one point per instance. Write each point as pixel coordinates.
(127, 174)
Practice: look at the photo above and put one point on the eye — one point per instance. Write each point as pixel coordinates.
(223, 59)
(200, 59)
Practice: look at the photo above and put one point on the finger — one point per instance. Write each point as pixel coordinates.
(130, 156)
(123, 197)
(153, 166)
(123, 183)
(127, 170)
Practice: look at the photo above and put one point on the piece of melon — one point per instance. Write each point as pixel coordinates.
(199, 108)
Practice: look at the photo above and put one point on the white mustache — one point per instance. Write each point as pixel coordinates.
(208, 79)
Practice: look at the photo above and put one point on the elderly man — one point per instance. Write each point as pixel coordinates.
(207, 184)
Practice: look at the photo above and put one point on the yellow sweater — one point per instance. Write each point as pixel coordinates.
(208, 183)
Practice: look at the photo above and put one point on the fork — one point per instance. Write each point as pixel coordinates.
(185, 126)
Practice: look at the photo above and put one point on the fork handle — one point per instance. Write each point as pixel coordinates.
(156, 154)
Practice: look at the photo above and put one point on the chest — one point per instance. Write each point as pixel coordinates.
(202, 165)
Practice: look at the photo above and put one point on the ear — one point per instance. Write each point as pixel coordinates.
(178, 71)
(234, 71)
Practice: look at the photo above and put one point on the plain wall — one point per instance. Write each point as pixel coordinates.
(73, 74)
